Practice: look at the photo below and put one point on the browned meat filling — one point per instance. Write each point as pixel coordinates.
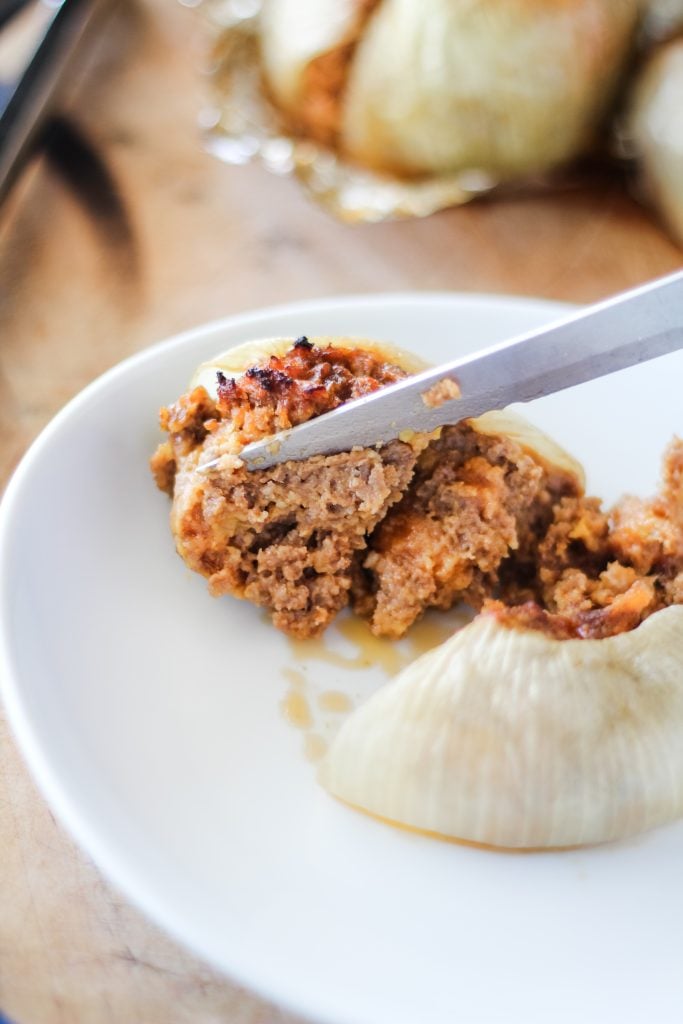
(284, 538)
(305, 382)
(320, 103)
(472, 518)
(473, 500)
(283, 392)
(597, 574)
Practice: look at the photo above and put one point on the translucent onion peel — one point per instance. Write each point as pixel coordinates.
(509, 738)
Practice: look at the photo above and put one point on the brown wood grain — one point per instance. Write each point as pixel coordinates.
(190, 240)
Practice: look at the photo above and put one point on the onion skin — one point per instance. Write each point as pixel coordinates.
(509, 738)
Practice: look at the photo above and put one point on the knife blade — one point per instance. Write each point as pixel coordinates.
(39, 43)
(631, 328)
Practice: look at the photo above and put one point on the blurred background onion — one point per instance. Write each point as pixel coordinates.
(387, 108)
(414, 87)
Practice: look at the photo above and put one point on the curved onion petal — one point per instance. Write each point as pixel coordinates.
(510, 738)
(539, 445)
(656, 129)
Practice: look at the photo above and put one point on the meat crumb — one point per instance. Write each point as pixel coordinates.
(443, 391)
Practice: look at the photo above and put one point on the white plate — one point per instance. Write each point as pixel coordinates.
(151, 716)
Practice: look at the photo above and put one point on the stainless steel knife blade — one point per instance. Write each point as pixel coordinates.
(631, 328)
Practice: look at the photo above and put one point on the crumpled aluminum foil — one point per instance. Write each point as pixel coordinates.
(241, 125)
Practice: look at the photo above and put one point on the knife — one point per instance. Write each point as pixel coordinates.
(39, 42)
(631, 328)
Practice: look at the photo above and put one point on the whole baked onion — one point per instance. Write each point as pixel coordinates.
(414, 87)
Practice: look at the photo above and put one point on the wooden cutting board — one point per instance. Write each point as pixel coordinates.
(184, 240)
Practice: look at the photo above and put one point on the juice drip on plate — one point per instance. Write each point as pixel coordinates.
(295, 705)
(352, 647)
(368, 650)
(315, 746)
(335, 700)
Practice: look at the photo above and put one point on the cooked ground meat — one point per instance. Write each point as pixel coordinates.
(278, 394)
(284, 538)
(319, 111)
(472, 517)
(307, 381)
(473, 500)
(582, 620)
(598, 574)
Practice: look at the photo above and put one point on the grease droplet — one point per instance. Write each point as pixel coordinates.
(296, 710)
(315, 746)
(335, 700)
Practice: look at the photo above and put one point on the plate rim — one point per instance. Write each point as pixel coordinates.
(80, 830)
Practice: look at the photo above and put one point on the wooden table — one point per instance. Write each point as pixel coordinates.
(198, 241)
